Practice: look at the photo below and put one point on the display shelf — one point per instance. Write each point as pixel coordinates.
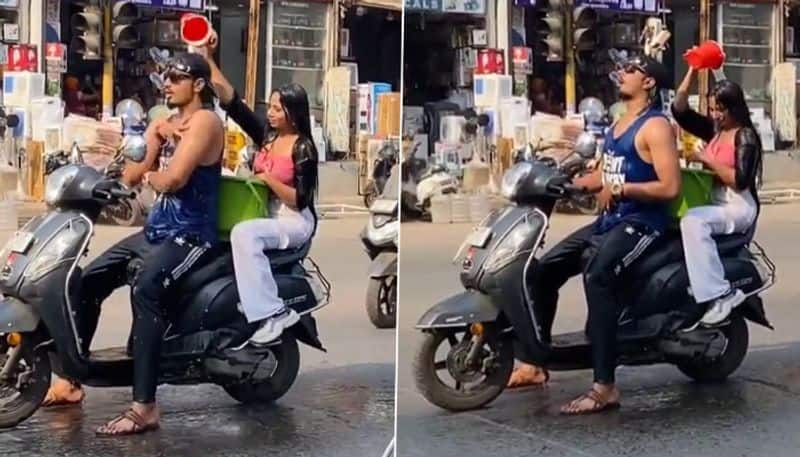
(762, 66)
(298, 27)
(745, 27)
(299, 48)
(747, 46)
(280, 67)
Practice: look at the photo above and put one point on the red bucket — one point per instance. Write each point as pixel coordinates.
(709, 55)
(195, 29)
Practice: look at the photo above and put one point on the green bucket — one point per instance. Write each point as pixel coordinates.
(696, 189)
(240, 200)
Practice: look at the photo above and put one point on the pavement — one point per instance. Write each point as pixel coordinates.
(663, 413)
(342, 403)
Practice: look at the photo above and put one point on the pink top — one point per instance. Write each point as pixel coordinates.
(282, 167)
(724, 153)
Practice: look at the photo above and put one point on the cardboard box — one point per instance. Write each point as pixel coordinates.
(389, 112)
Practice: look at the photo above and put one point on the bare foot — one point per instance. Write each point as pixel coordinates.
(63, 392)
(528, 375)
(140, 418)
(602, 397)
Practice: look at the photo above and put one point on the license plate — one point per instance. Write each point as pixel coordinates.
(21, 242)
(479, 237)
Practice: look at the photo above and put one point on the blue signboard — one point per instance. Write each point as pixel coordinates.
(423, 5)
(624, 6)
(192, 5)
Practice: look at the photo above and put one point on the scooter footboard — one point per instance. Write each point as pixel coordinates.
(460, 310)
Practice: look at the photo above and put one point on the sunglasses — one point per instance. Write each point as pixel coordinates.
(175, 76)
(632, 67)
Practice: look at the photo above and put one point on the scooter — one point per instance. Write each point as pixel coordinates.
(40, 283)
(420, 183)
(381, 170)
(495, 320)
(380, 241)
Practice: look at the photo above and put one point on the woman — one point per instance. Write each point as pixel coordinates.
(733, 154)
(287, 164)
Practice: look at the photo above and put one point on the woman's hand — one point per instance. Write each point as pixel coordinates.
(699, 154)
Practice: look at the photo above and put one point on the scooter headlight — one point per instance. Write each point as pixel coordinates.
(513, 177)
(55, 251)
(520, 239)
(57, 183)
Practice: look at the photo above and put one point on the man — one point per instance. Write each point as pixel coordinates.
(640, 174)
(176, 240)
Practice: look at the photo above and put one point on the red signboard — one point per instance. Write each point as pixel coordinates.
(22, 57)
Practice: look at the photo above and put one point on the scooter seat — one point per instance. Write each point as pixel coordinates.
(670, 250)
(281, 257)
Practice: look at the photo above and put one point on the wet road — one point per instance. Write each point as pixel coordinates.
(755, 413)
(342, 403)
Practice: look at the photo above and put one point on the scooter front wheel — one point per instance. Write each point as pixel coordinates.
(382, 302)
(24, 377)
(473, 376)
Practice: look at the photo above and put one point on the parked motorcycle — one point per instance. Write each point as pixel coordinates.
(40, 286)
(381, 169)
(380, 241)
(494, 320)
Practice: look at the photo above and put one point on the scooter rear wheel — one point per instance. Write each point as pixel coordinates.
(474, 386)
(270, 390)
(23, 391)
(723, 366)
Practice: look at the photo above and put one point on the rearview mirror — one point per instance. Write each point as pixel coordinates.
(586, 145)
(134, 148)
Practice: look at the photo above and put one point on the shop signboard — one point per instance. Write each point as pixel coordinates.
(424, 5)
(194, 5)
(464, 6)
(622, 6)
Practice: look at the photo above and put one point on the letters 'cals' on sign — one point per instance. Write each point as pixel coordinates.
(423, 5)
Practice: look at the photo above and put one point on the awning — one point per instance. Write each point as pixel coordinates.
(393, 5)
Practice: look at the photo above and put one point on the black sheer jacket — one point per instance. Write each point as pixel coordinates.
(747, 146)
(304, 154)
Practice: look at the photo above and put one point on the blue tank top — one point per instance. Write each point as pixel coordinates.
(622, 163)
(191, 212)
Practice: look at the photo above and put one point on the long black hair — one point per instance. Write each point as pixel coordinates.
(294, 99)
(730, 96)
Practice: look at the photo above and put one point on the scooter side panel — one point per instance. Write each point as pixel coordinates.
(460, 310)
(385, 264)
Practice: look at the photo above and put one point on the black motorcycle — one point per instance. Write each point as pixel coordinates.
(40, 291)
(381, 170)
(494, 320)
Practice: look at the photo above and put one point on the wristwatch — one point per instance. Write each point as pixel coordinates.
(616, 189)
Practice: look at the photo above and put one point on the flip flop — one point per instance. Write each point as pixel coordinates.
(600, 404)
(139, 425)
(526, 383)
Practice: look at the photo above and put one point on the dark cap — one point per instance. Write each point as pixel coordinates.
(654, 69)
(192, 64)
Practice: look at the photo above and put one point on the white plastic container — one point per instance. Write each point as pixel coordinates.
(490, 89)
(460, 211)
(9, 217)
(479, 207)
(441, 209)
(21, 87)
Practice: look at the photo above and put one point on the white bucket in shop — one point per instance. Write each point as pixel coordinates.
(9, 218)
(441, 209)
(479, 207)
(460, 209)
